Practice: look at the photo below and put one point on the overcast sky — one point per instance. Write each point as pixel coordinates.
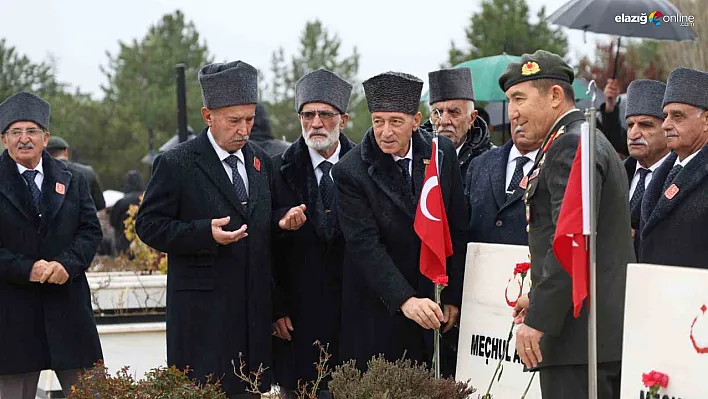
(403, 35)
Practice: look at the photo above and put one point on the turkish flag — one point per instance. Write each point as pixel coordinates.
(569, 242)
(431, 224)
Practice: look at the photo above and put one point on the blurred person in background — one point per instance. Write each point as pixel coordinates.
(132, 190)
(262, 135)
(58, 148)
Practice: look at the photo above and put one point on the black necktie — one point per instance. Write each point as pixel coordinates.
(403, 164)
(671, 176)
(517, 176)
(326, 185)
(29, 176)
(639, 190)
(239, 186)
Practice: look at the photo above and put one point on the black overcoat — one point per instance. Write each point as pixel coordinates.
(376, 210)
(672, 228)
(46, 326)
(218, 296)
(307, 267)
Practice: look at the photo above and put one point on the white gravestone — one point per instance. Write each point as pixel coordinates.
(666, 330)
(487, 318)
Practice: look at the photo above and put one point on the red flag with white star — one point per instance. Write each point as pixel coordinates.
(569, 242)
(431, 225)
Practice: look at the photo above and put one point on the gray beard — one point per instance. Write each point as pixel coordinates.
(320, 144)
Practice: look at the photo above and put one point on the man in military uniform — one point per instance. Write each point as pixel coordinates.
(58, 148)
(387, 305)
(675, 205)
(645, 140)
(549, 338)
(308, 262)
(452, 114)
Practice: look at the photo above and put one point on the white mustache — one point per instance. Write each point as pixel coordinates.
(448, 129)
(25, 146)
(318, 131)
(671, 133)
(640, 141)
(242, 138)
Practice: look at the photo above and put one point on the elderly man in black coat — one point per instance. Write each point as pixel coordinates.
(308, 262)
(549, 337)
(645, 140)
(48, 237)
(387, 307)
(452, 114)
(675, 205)
(208, 206)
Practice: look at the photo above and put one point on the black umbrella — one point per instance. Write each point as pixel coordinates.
(649, 19)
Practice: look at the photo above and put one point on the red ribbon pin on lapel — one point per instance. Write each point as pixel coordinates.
(60, 188)
(257, 163)
(524, 182)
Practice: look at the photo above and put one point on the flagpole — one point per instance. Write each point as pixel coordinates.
(436, 336)
(592, 317)
(436, 341)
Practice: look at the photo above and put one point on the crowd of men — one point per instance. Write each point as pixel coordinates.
(269, 254)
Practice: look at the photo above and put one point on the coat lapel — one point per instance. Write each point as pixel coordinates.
(630, 165)
(571, 117)
(497, 175)
(346, 146)
(54, 188)
(258, 184)
(210, 164)
(653, 191)
(422, 151)
(298, 173)
(14, 187)
(690, 177)
(385, 173)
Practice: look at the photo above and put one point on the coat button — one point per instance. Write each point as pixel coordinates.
(499, 223)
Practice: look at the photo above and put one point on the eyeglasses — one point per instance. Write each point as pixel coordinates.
(437, 114)
(309, 116)
(32, 132)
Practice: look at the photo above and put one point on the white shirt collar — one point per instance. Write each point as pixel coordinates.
(317, 159)
(39, 168)
(409, 155)
(654, 167)
(514, 153)
(687, 160)
(457, 150)
(220, 152)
